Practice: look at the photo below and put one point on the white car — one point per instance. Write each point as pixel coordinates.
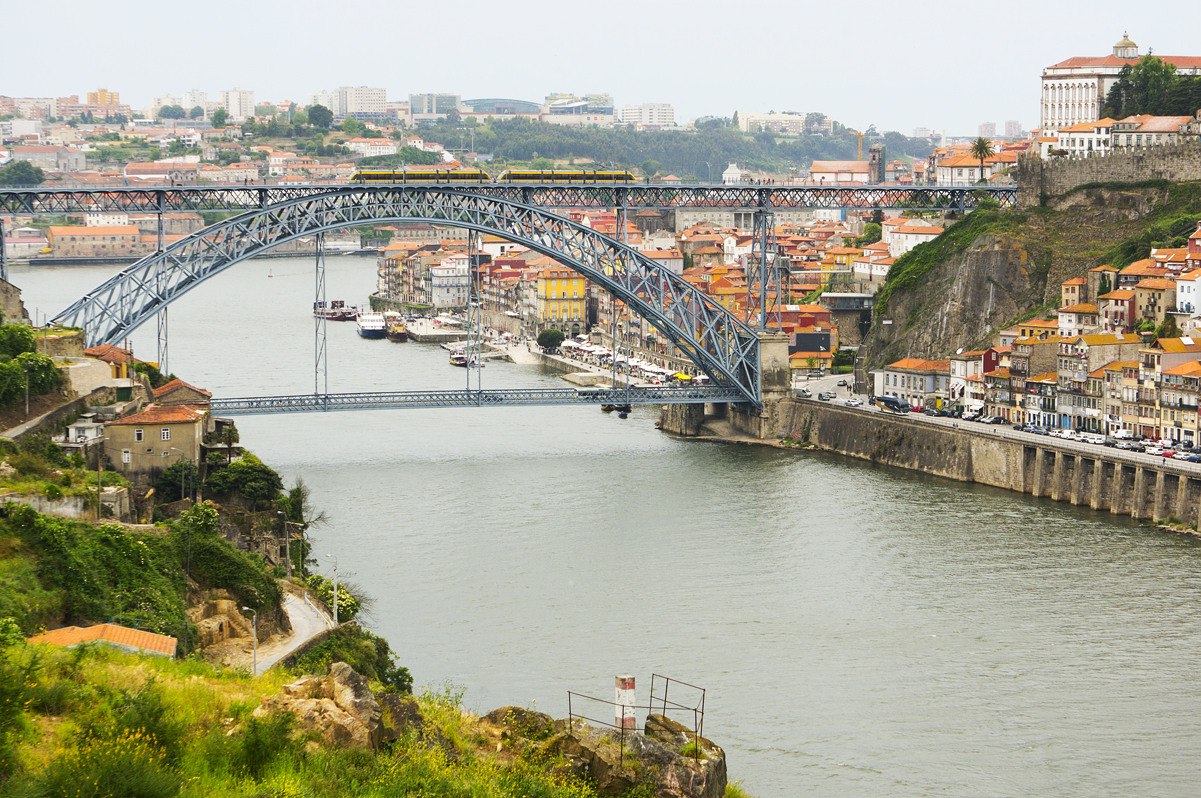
(1093, 438)
(1154, 450)
(853, 403)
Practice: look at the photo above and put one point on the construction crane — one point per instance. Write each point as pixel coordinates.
(859, 137)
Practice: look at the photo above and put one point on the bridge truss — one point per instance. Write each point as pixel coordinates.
(633, 196)
(719, 343)
(504, 397)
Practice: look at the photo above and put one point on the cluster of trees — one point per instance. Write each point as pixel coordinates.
(21, 366)
(21, 173)
(1152, 86)
(178, 112)
(406, 155)
(700, 154)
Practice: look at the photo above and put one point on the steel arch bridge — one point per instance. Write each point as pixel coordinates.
(720, 344)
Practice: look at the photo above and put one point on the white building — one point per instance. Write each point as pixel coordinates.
(840, 172)
(354, 101)
(907, 236)
(1188, 295)
(649, 115)
(366, 146)
(238, 103)
(448, 283)
(732, 176)
(105, 219)
(1074, 90)
(1087, 139)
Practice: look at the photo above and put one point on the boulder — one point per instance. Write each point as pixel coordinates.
(338, 707)
(520, 722)
(655, 756)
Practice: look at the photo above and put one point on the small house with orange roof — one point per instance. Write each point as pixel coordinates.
(1116, 310)
(1073, 291)
(110, 634)
(145, 443)
(1154, 297)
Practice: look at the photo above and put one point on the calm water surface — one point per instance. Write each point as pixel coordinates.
(862, 631)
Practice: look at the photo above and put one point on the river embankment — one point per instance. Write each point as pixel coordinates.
(1084, 475)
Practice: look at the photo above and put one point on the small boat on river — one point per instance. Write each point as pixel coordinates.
(397, 332)
(335, 310)
(371, 325)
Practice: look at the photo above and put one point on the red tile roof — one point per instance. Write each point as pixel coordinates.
(109, 353)
(109, 633)
(162, 414)
(175, 384)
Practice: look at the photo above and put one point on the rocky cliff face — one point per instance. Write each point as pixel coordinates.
(996, 268)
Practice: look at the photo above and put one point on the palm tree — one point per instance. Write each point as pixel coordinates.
(982, 148)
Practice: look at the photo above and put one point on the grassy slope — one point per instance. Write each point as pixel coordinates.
(161, 727)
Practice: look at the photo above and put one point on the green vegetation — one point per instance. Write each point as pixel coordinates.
(911, 269)
(1152, 86)
(406, 156)
(981, 149)
(172, 112)
(367, 653)
(872, 232)
(735, 790)
(95, 722)
(550, 338)
(55, 571)
(219, 118)
(21, 173)
(35, 466)
(348, 604)
(247, 479)
(320, 117)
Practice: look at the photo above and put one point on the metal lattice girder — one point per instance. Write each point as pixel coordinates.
(720, 344)
(634, 196)
(515, 397)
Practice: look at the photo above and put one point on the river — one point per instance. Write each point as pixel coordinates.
(861, 631)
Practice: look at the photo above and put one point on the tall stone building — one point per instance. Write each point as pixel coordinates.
(1074, 90)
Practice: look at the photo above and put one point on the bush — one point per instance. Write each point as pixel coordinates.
(260, 742)
(348, 604)
(53, 492)
(367, 653)
(248, 478)
(215, 563)
(130, 765)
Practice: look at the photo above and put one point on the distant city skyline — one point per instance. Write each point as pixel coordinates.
(655, 53)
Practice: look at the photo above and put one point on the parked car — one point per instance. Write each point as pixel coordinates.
(853, 402)
(1154, 450)
(1123, 435)
(1129, 446)
(1093, 438)
(805, 393)
(1192, 458)
(843, 384)
(996, 420)
(825, 396)
(972, 416)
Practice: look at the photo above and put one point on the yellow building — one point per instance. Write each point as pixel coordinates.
(561, 299)
(104, 97)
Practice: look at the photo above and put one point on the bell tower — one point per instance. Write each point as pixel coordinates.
(1125, 48)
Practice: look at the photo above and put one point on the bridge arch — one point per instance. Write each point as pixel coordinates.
(719, 343)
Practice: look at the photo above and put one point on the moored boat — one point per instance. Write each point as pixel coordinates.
(371, 325)
(397, 332)
(334, 310)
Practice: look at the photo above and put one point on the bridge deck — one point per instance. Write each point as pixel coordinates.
(510, 397)
(168, 199)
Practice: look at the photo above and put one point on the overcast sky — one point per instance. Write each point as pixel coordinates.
(946, 65)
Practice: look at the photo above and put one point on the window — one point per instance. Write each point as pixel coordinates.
(165, 433)
(125, 456)
(137, 434)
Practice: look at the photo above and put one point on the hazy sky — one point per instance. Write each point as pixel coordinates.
(946, 65)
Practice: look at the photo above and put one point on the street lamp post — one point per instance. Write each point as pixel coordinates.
(26, 367)
(335, 561)
(254, 621)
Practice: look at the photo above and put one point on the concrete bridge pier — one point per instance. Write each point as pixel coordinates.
(775, 379)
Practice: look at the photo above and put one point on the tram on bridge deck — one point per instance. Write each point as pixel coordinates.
(427, 176)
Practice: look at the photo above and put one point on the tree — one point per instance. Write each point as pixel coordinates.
(453, 117)
(196, 113)
(172, 112)
(1168, 328)
(982, 149)
(219, 117)
(21, 173)
(320, 117)
(550, 338)
(872, 232)
(229, 436)
(176, 481)
(1103, 287)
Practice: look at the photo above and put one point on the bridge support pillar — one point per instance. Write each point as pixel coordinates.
(775, 386)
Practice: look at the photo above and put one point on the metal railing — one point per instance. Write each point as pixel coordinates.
(658, 701)
(511, 397)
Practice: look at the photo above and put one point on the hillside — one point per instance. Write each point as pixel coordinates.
(997, 267)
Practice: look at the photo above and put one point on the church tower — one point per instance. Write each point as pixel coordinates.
(1126, 48)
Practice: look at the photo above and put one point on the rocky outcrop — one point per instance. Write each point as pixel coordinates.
(218, 618)
(665, 755)
(343, 712)
(1009, 266)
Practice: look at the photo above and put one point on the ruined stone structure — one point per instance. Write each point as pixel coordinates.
(1041, 180)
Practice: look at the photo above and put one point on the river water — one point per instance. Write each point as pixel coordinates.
(861, 631)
